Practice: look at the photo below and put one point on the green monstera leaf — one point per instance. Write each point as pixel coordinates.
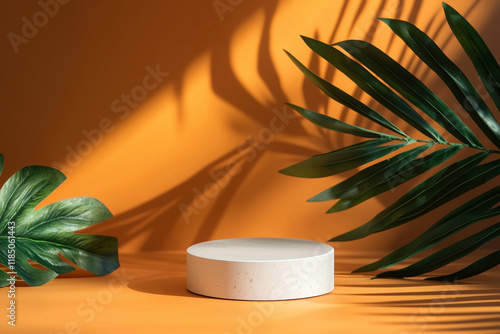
(47, 234)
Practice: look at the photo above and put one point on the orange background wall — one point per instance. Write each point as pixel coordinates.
(214, 112)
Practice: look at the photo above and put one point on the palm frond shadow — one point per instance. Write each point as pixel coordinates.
(153, 222)
(238, 96)
(150, 225)
(455, 304)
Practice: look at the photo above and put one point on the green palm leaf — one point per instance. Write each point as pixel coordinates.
(486, 263)
(428, 51)
(446, 255)
(330, 123)
(443, 186)
(339, 161)
(451, 175)
(405, 83)
(481, 57)
(347, 100)
(368, 177)
(475, 210)
(397, 173)
(416, 92)
(434, 107)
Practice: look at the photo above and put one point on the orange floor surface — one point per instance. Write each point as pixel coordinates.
(147, 294)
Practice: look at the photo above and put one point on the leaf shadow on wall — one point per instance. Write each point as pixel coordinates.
(198, 203)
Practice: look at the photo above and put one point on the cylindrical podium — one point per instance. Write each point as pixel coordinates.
(260, 268)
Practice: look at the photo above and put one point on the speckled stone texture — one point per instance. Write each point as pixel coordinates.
(260, 268)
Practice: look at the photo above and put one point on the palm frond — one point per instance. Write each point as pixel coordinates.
(387, 82)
